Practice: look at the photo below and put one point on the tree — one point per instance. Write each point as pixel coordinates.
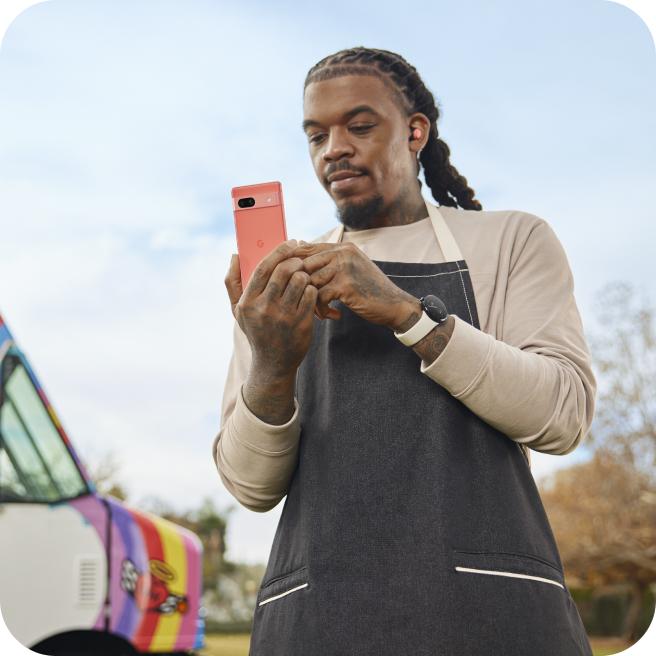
(603, 512)
(104, 472)
(624, 353)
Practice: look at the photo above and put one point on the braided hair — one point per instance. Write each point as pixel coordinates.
(411, 94)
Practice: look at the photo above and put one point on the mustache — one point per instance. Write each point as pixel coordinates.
(344, 165)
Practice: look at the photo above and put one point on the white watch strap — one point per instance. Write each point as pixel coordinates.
(418, 331)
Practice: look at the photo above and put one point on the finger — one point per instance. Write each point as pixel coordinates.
(321, 311)
(266, 267)
(308, 300)
(327, 294)
(280, 277)
(233, 281)
(323, 277)
(329, 290)
(295, 288)
(315, 262)
(326, 312)
(307, 250)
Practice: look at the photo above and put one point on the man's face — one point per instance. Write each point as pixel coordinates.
(358, 138)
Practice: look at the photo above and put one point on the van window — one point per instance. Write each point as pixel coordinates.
(35, 464)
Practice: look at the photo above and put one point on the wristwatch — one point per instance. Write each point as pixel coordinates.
(434, 313)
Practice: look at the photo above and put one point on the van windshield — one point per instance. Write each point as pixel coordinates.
(35, 464)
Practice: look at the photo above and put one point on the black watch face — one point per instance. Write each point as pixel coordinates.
(435, 309)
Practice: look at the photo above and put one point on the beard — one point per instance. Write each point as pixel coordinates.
(358, 215)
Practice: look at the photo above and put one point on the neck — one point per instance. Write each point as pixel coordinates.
(408, 207)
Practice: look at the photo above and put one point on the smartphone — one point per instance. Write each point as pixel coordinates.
(259, 224)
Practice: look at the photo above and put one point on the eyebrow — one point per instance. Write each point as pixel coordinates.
(350, 114)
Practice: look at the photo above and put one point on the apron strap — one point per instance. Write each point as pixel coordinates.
(445, 239)
(336, 235)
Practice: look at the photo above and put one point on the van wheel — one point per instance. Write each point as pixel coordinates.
(85, 643)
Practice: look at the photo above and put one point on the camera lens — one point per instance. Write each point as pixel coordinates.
(246, 202)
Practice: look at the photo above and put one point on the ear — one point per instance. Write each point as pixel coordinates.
(420, 122)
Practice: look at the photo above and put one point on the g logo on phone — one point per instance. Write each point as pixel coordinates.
(260, 243)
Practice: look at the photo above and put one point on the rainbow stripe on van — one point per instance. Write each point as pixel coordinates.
(155, 577)
(154, 567)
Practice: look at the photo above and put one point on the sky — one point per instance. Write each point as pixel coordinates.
(126, 123)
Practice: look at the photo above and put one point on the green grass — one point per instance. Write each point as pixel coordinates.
(608, 646)
(227, 644)
(236, 644)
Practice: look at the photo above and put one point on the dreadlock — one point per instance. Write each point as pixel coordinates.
(411, 94)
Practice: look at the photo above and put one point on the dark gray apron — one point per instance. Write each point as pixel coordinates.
(411, 525)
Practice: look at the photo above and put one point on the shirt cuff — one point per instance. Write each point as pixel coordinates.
(463, 360)
(262, 437)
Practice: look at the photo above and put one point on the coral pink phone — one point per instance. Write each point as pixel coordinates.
(259, 223)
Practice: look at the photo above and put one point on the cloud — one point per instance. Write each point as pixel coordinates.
(126, 124)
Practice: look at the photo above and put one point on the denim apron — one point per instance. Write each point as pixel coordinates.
(411, 526)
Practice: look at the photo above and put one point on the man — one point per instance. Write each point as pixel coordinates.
(399, 428)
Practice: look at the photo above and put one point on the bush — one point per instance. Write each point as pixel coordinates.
(604, 614)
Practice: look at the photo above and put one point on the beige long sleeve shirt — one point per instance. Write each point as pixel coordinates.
(527, 372)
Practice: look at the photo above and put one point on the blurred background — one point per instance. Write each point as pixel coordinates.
(125, 125)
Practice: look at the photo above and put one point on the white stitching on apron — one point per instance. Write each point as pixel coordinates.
(465, 290)
(446, 273)
(509, 574)
(284, 594)
(433, 275)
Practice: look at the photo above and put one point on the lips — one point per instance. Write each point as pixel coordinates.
(343, 180)
(342, 175)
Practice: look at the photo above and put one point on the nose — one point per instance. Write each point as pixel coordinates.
(337, 146)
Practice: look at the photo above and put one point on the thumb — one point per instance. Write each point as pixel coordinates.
(326, 312)
(323, 310)
(233, 281)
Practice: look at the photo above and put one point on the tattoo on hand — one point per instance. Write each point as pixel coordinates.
(408, 323)
(433, 344)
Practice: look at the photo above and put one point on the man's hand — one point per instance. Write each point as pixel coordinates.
(275, 312)
(343, 272)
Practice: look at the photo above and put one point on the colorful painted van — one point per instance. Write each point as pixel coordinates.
(82, 574)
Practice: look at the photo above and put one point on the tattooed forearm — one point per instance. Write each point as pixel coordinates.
(272, 401)
(276, 314)
(434, 346)
(410, 320)
(431, 347)
(408, 323)
(407, 314)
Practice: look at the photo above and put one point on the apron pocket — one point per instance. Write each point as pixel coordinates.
(282, 586)
(510, 565)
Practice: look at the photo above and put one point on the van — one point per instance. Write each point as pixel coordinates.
(81, 573)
